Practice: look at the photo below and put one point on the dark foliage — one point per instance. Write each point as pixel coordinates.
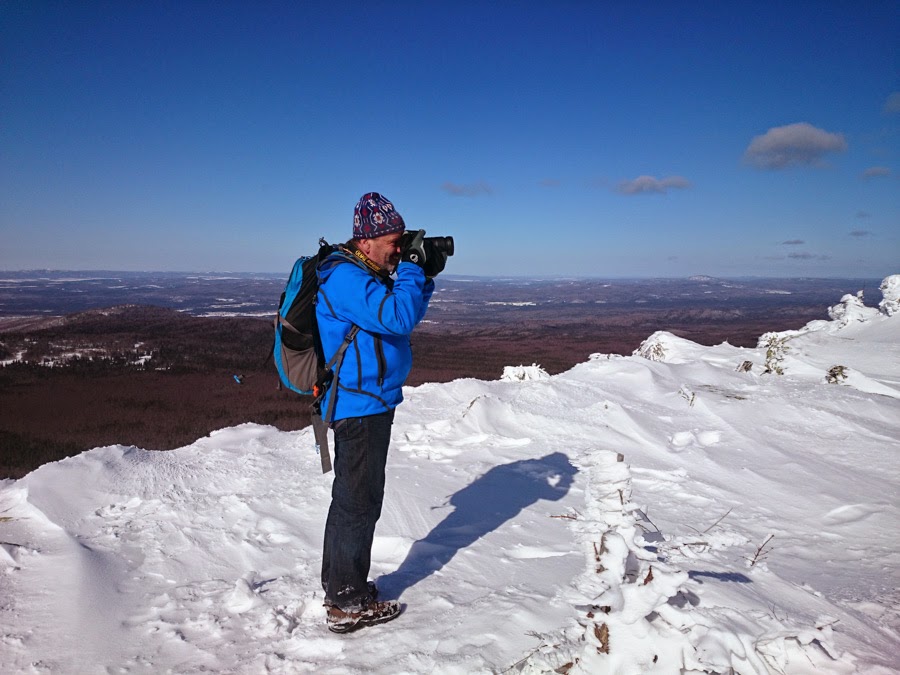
(109, 395)
(20, 453)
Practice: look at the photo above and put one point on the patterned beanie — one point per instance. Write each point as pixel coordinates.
(375, 216)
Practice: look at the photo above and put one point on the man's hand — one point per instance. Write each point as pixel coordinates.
(415, 250)
(434, 260)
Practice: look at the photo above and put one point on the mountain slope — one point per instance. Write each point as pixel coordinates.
(750, 525)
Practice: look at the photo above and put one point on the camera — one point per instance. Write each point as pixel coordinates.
(430, 244)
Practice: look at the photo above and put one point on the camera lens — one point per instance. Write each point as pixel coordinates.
(441, 244)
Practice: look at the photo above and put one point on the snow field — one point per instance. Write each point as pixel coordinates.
(750, 525)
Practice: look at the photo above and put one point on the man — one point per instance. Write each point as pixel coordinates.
(356, 288)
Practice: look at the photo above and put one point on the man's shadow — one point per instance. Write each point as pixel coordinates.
(480, 508)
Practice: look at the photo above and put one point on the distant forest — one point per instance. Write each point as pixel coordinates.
(159, 379)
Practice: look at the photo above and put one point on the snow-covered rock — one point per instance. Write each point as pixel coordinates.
(890, 290)
(665, 347)
(524, 373)
(851, 308)
(654, 347)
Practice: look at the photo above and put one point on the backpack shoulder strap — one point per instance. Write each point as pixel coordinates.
(320, 432)
(330, 378)
(335, 363)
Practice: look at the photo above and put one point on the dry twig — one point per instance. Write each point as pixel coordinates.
(718, 521)
(761, 553)
(647, 518)
(569, 516)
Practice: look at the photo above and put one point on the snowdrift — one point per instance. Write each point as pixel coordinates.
(685, 509)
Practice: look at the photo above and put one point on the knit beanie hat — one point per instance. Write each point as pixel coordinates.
(375, 216)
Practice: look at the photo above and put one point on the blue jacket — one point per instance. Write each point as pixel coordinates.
(378, 361)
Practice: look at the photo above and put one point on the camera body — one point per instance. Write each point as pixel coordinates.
(431, 245)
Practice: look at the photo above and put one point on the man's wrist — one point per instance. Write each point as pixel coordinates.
(409, 264)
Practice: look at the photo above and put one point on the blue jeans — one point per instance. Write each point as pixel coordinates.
(360, 454)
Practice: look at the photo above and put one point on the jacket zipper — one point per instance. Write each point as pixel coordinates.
(382, 366)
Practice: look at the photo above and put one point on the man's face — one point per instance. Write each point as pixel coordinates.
(384, 250)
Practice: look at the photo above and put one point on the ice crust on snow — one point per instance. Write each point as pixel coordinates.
(610, 519)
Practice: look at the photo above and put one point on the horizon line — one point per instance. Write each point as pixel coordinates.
(688, 277)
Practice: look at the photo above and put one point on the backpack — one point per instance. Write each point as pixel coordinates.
(297, 350)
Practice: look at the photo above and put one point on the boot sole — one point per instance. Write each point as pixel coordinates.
(342, 628)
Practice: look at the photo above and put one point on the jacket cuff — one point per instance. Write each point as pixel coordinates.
(406, 264)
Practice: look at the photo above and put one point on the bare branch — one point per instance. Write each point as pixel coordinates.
(718, 521)
(761, 553)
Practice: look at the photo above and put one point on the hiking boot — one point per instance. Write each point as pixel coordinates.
(339, 621)
(370, 587)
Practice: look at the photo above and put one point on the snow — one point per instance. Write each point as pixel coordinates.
(522, 373)
(16, 359)
(890, 291)
(212, 315)
(663, 512)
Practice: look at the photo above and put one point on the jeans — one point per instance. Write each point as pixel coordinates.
(360, 453)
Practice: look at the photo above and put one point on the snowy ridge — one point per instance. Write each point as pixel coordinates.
(750, 525)
(636, 613)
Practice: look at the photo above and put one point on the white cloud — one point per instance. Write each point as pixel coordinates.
(799, 144)
(471, 190)
(651, 185)
(876, 171)
(808, 256)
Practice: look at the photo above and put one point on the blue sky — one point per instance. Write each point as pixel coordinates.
(549, 138)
